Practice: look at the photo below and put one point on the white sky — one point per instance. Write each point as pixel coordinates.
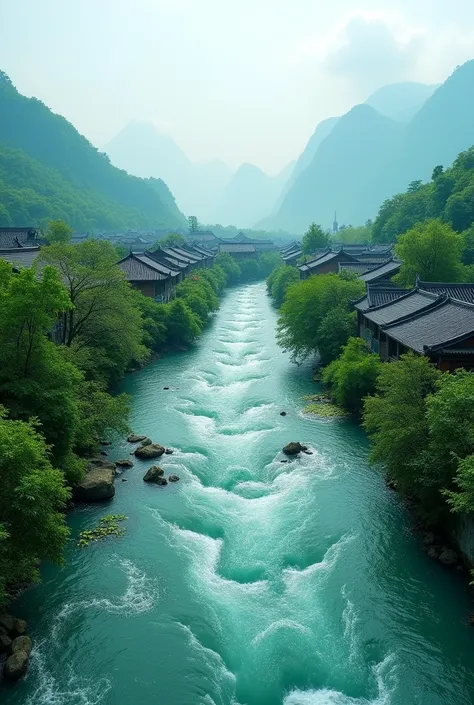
(239, 80)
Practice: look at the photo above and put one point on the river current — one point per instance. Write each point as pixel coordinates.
(252, 581)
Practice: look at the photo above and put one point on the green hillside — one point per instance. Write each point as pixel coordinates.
(47, 169)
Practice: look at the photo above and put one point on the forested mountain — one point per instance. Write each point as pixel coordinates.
(48, 170)
(343, 174)
(354, 173)
(143, 151)
(250, 195)
(401, 101)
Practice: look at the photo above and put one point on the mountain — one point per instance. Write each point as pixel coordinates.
(143, 151)
(249, 196)
(342, 175)
(401, 101)
(68, 177)
(368, 157)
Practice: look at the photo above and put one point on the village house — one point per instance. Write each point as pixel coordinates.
(325, 264)
(149, 276)
(429, 321)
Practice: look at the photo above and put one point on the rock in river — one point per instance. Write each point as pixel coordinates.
(448, 556)
(173, 478)
(124, 463)
(169, 451)
(5, 644)
(153, 474)
(22, 643)
(98, 483)
(134, 438)
(146, 442)
(294, 448)
(15, 666)
(154, 450)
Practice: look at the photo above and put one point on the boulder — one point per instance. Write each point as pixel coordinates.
(97, 485)
(283, 461)
(22, 643)
(308, 452)
(448, 556)
(294, 448)
(169, 451)
(19, 627)
(124, 463)
(15, 666)
(99, 463)
(146, 442)
(173, 478)
(5, 644)
(166, 388)
(102, 452)
(153, 474)
(124, 480)
(154, 450)
(134, 438)
(282, 413)
(429, 539)
(7, 622)
(433, 552)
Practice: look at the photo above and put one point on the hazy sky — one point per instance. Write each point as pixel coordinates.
(240, 80)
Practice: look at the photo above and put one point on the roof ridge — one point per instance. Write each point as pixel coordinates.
(439, 302)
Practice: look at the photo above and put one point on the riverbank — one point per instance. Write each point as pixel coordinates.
(250, 581)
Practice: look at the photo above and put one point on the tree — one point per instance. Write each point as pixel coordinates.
(229, 265)
(431, 250)
(414, 186)
(104, 317)
(32, 500)
(183, 328)
(395, 417)
(280, 280)
(437, 172)
(269, 261)
(193, 224)
(171, 240)
(314, 239)
(306, 305)
(337, 326)
(353, 375)
(58, 232)
(250, 270)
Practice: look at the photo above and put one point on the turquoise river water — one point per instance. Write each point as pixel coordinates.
(251, 581)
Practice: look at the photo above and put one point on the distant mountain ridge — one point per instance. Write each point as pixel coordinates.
(53, 150)
(142, 150)
(367, 157)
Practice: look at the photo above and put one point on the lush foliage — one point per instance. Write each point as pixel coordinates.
(355, 235)
(279, 280)
(32, 497)
(315, 238)
(353, 375)
(229, 266)
(431, 250)
(302, 326)
(58, 232)
(49, 171)
(448, 197)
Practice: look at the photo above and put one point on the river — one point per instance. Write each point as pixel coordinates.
(250, 581)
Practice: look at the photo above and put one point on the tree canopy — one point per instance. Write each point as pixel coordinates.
(431, 250)
(314, 238)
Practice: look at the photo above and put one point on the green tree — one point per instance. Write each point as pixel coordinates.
(280, 280)
(269, 261)
(193, 224)
(306, 305)
(337, 326)
(431, 250)
(171, 240)
(250, 270)
(353, 375)
(314, 238)
(104, 325)
(229, 265)
(395, 418)
(58, 232)
(32, 500)
(183, 327)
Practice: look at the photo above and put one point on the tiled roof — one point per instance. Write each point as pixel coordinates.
(138, 267)
(192, 256)
(449, 321)
(171, 252)
(203, 250)
(18, 237)
(461, 292)
(166, 264)
(328, 256)
(294, 254)
(20, 256)
(379, 295)
(236, 247)
(357, 267)
(405, 305)
(388, 269)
